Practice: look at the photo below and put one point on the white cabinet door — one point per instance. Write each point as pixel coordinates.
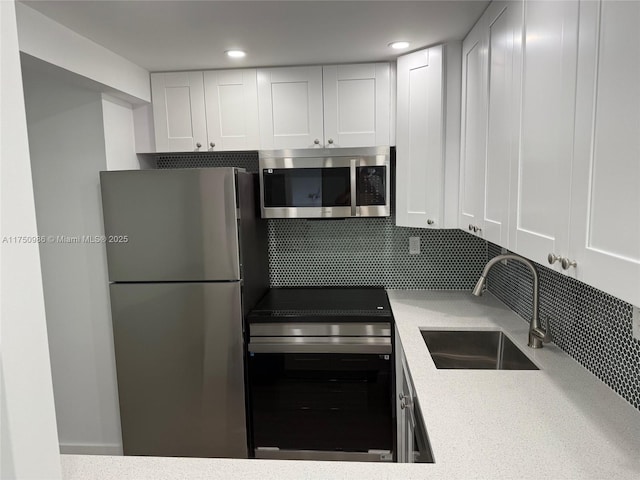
(356, 105)
(232, 110)
(503, 40)
(405, 421)
(473, 129)
(419, 139)
(178, 111)
(605, 215)
(290, 107)
(539, 220)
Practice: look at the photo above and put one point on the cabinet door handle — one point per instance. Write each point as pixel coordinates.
(470, 227)
(476, 229)
(198, 145)
(405, 401)
(330, 141)
(429, 222)
(566, 263)
(553, 258)
(316, 141)
(212, 145)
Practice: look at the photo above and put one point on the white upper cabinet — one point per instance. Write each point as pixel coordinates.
(503, 44)
(490, 119)
(428, 137)
(290, 107)
(273, 108)
(196, 111)
(330, 106)
(178, 111)
(232, 110)
(605, 206)
(419, 139)
(473, 129)
(540, 212)
(551, 108)
(356, 105)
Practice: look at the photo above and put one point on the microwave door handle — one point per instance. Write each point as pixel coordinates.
(353, 186)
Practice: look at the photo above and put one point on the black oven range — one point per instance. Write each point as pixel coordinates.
(320, 374)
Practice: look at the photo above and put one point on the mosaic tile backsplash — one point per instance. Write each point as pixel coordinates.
(354, 251)
(593, 327)
(371, 251)
(246, 160)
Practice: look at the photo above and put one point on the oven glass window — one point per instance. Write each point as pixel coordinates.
(321, 401)
(306, 187)
(371, 185)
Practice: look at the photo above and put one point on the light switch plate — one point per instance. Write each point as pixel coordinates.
(636, 323)
(414, 245)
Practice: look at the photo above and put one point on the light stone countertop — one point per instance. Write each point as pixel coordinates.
(558, 422)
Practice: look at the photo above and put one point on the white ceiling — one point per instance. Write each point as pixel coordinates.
(162, 35)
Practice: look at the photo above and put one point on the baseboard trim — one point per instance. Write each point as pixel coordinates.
(85, 449)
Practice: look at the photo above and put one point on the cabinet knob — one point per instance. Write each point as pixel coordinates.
(330, 141)
(316, 141)
(212, 145)
(198, 145)
(553, 258)
(476, 229)
(470, 227)
(429, 222)
(566, 263)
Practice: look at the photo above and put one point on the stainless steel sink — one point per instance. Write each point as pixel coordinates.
(470, 349)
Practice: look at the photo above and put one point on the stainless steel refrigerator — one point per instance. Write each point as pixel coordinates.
(187, 260)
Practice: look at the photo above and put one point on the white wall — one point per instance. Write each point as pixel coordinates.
(119, 141)
(67, 143)
(28, 438)
(54, 43)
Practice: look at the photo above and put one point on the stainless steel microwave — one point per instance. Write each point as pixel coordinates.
(325, 183)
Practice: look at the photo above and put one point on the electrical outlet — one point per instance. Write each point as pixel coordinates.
(636, 323)
(503, 251)
(414, 245)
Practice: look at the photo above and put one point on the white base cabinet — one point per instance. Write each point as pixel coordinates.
(405, 419)
(412, 443)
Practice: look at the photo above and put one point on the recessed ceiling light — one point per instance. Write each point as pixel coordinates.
(399, 45)
(235, 53)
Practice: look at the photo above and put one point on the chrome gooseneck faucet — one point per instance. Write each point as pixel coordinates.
(537, 335)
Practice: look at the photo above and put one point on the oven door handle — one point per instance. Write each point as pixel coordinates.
(379, 345)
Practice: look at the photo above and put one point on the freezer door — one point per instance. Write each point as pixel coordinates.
(171, 225)
(179, 359)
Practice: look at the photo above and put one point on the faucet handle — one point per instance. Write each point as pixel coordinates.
(538, 335)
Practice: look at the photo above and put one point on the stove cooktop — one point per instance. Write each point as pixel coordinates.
(308, 303)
